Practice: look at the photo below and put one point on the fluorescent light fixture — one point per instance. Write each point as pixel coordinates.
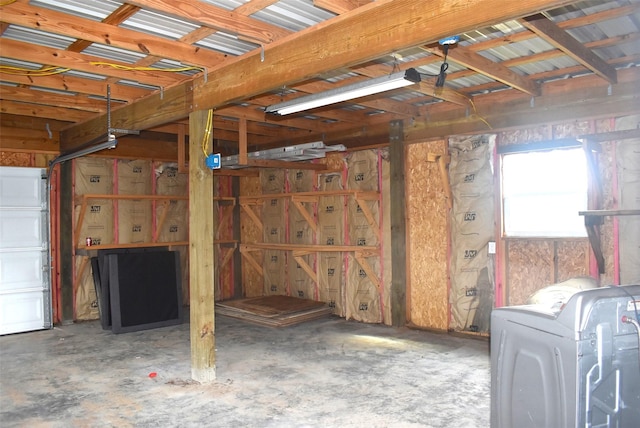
(109, 144)
(348, 92)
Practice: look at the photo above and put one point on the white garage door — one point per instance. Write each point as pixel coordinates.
(25, 298)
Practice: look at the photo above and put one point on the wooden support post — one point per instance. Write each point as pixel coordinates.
(242, 141)
(183, 166)
(66, 242)
(201, 257)
(398, 225)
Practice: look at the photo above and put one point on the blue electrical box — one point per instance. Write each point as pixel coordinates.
(213, 161)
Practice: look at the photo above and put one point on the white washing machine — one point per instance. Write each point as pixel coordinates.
(576, 367)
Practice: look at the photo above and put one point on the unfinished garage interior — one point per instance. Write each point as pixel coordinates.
(184, 242)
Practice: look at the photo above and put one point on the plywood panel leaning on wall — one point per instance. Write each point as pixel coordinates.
(472, 228)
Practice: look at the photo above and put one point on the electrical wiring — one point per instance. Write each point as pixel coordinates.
(20, 71)
(207, 133)
(134, 68)
(475, 111)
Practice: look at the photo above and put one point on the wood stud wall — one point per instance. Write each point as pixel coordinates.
(529, 264)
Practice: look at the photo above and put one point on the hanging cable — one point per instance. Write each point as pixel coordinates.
(442, 76)
(134, 68)
(475, 111)
(207, 133)
(20, 71)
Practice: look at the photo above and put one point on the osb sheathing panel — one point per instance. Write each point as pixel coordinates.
(529, 268)
(427, 232)
(15, 159)
(334, 161)
(572, 259)
(527, 135)
(252, 281)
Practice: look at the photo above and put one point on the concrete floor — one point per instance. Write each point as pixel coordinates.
(324, 373)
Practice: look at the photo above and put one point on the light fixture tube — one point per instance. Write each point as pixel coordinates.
(348, 92)
(109, 144)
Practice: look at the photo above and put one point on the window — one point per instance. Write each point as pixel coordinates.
(542, 193)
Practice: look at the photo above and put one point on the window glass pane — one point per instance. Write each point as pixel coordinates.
(543, 192)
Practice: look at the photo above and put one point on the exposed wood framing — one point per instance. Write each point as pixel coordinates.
(247, 254)
(361, 258)
(562, 40)
(201, 256)
(399, 288)
(289, 60)
(299, 258)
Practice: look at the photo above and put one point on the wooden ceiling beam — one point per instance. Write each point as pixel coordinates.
(80, 62)
(216, 17)
(29, 140)
(116, 17)
(17, 121)
(585, 97)
(371, 31)
(63, 82)
(428, 87)
(66, 101)
(560, 39)
(253, 6)
(62, 23)
(259, 116)
(48, 112)
(340, 6)
(557, 73)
